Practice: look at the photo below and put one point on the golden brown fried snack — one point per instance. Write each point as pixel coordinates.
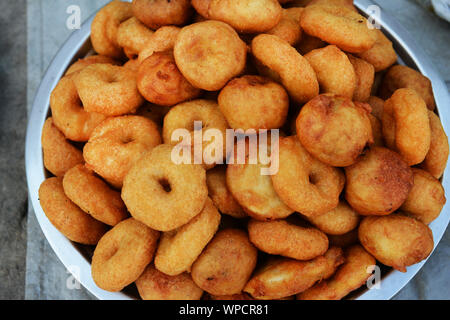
(132, 64)
(162, 40)
(117, 143)
(289, 28)
(290, 68)
(283, 238)
(406, 126)
(349, 277)
(365, 76)
(80, 64)
(133, 36)
(162, 194)
(202, 8)
(304, 183)
(282, 277)
(68, 113)
(178, 249)
(395, 240)
(382, 55)
(238, 296)
(160, 82)
(254, 191)
(426, 199)
(334, 129)
(157, 13)
(334, 71)
(107, 89)
(221, 195)
(122, 254)
(340, 26)
(338, 221)
(436, 160)
(70, 220)
(399, 77)
(105, 27)
(183, 116)
(343, 3)
(254, 102)
(377, 131)
(155, 285)
(208, 64)
(246, 16)
(226, 264)
(378, 183)
(94, 196)
(59, 154)
(377, 106)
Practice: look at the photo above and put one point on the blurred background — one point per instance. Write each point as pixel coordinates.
(31, 31)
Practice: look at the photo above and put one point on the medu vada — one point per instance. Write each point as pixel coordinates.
(58, 153)
(289, 28)
(162, 194)
(161, 40)
(159, 81)
(338, 221)
(396, 240)
(157, 13)
(303, 183)
(365, 77)
(80, 64)
(107, 89)
(133, 36)
(122, 254)
(382, 55)
(117, 143)
(378, 183)
(321, 131)
(209, 54)
(178, 249)
(70, 220)
(94, 196)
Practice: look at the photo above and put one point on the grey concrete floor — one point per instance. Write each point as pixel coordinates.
(28, 267)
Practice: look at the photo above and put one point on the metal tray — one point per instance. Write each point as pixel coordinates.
(77, 257)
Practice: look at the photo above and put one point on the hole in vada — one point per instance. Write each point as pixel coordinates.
(312, 178)
(165, 184)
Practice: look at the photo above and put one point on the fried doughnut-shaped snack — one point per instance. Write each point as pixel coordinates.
(155, 285)
(117, 143)
(178, 249)
(304, 183)
(70, 220)
(226, 264)
(287, 239)
(132, 36)
(321, 131)
(342, 3)
(340, 26)
(377, 131)
(246, 16)
(59, 154)
(209, 54)
(293, 70)
(161, 40)
(160, 82)
(254, 191)
(68, 113)
(349, 277)
(289, 28)
(254, 102)
(122, 254)
(162, 194)
(426, 199)
(378, 183)
(338, 221)
(365, 76)
(221, 195)
(377, 105)
(382, 55)
(436, 160)
(395, 240)
(157, 13)
(107, 89)
(105, 27)
(406, 126)
(80, 64)
(282, 277)
(94, 196)
(334, 71)
(399, 77)
(183, 116)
